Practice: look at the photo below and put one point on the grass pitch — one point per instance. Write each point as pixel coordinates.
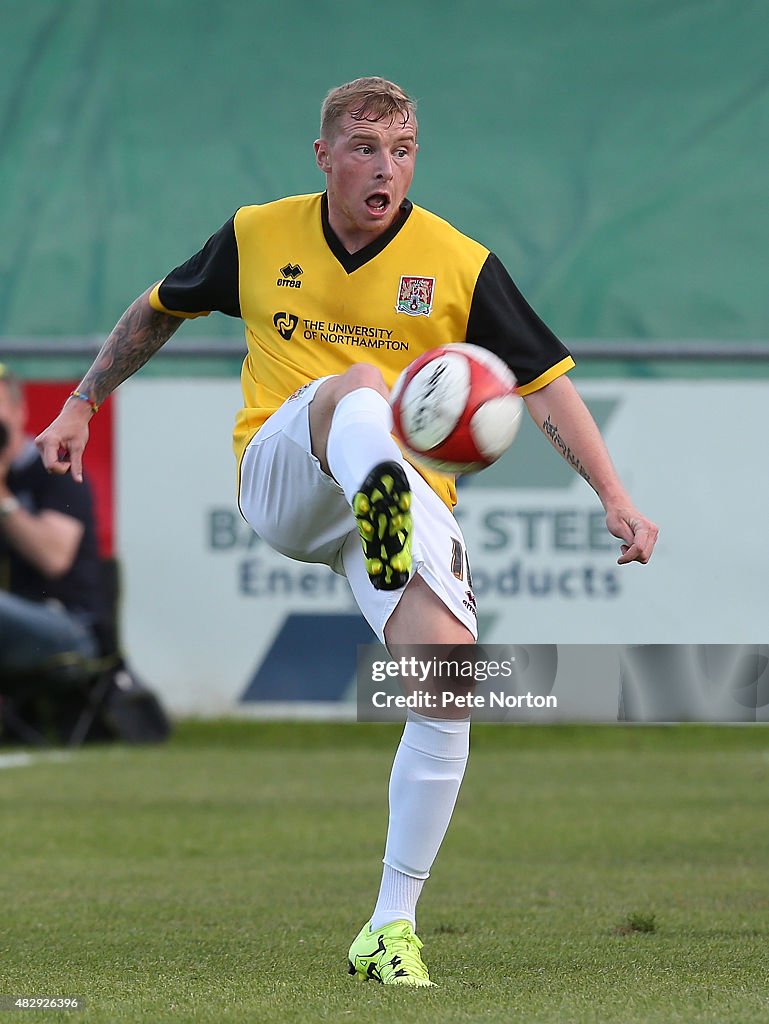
(597, 874)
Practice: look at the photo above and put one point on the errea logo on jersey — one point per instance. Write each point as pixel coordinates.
(415, 296)
(289, 275)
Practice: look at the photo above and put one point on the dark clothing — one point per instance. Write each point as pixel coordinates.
(79, 590)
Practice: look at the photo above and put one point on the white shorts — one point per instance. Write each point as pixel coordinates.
(301, 512)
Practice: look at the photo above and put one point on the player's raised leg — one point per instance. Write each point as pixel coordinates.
(350, 428)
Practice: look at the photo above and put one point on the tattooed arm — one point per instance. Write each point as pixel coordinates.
(139, 333)
(564, 419)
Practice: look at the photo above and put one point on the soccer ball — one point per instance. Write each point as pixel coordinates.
(456, 408)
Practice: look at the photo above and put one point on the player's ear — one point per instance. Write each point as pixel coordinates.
(322, 157)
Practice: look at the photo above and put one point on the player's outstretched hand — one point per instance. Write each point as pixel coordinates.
(61, 445)
(639, 534)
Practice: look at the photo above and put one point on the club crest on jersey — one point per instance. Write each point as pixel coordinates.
(415, 296)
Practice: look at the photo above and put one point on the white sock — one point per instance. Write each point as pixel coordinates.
(426, 775)
(397, 900)
(359, 439)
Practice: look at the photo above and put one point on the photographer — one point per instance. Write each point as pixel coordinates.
(51, 604)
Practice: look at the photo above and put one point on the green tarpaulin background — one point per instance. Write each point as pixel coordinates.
(613, 154)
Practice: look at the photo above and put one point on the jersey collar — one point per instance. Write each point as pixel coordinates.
(354, 260)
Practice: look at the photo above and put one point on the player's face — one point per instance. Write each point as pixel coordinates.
(368, 166)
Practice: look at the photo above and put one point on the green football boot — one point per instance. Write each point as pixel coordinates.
(390, 956)
(382, 508)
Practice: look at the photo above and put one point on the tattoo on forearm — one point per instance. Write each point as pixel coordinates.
(551, 429)
(139, 333)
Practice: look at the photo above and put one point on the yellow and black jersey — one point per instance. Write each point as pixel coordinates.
(310, 308)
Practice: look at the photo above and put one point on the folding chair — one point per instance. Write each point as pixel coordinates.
(59, 701)
(70, 698)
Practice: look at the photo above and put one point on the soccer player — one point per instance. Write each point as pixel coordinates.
(338, 292)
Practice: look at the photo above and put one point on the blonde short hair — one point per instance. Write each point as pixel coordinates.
(366, 99)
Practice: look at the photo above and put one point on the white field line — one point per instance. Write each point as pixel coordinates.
(23, 760)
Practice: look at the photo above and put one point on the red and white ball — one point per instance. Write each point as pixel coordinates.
(456, 408)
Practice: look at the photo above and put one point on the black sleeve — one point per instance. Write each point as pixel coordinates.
(208, 281)
(502, 321)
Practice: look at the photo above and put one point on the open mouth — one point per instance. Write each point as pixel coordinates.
(378, 202)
